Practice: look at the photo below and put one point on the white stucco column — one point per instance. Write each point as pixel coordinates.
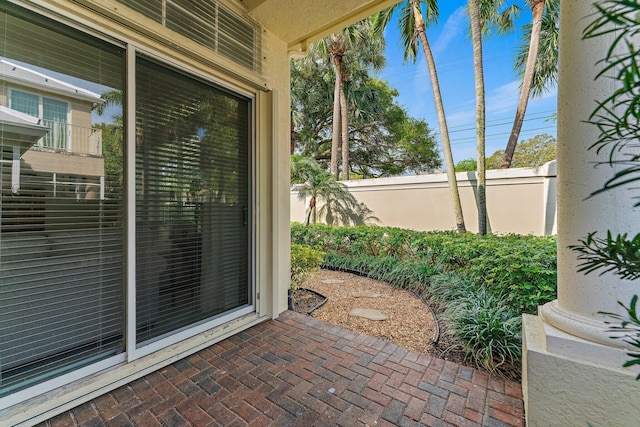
(572, 372)
(580, 297)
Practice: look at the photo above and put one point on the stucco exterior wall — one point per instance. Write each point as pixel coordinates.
(518, 201)
(275, 179)
(566, 390)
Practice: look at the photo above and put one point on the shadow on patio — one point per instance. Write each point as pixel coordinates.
(301, 371)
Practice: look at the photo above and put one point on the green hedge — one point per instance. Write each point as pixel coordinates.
(520, 268)
(481, 284)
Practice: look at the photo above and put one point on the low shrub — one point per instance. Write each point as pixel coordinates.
(304, 261)
(520, 268)
(448, 288)
(489, 331)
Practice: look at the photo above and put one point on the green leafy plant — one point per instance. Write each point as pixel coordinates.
(304, 262)
(629, 326)
(488, 330)
(618, 255)
(523, 268)
(617, 115)
(448, 288)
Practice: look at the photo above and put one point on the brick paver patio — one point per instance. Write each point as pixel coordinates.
(300, 371)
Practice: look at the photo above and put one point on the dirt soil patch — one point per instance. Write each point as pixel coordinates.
(410, 323)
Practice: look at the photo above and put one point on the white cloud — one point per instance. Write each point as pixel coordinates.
(462, 118)
(504, 98)
(456, 24)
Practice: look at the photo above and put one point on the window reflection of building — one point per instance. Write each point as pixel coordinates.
(70, 152)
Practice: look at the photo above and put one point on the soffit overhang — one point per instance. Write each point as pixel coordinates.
(301, 22)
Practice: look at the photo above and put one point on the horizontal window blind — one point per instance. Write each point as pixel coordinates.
(192, 200)
(61, 215)
(209, 23)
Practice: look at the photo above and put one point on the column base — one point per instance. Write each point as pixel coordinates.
(567, 380)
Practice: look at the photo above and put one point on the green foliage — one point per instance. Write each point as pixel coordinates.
(489, 331)
(523, 268)
(629, 326)
(617, 255)
(545, 74)
(529, 153)
(448, 288)
(112, 143)
(384, 140)
(617, 116)
(467, 165)
(304, 262)
(617, 120)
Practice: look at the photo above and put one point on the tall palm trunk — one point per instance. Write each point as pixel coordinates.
(476, 35)
(344, 124)
(442, 121)
(537, 8)
(335, 137)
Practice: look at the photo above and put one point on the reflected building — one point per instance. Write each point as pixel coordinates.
(51, 126)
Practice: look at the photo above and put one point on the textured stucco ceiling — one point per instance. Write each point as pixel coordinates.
(299, 22)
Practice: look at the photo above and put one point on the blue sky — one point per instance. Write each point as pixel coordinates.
(453, 55)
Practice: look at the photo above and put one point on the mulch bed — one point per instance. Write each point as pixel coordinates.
(410, 324)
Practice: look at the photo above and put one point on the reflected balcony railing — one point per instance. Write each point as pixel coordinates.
(71, 139)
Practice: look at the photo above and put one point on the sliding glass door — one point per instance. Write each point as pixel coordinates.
(68, 202)
(192, 200)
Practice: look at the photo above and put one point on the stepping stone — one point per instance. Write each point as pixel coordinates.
(332, 281)
(365, 294)
(368, 313)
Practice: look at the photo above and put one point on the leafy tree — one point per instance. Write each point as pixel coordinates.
(467, 165)
(358, 46)
(535, 32)
(112, 142)
(385, 140)
(311, 108)
(529, 153)
(412, 33)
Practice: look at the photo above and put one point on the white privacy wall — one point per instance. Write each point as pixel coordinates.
(519, 201)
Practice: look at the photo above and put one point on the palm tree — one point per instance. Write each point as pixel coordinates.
(412, 32)
(476, 35)
(545, 71)
(355, 46)
(537, 9)
(328, 197)
(484, 16)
